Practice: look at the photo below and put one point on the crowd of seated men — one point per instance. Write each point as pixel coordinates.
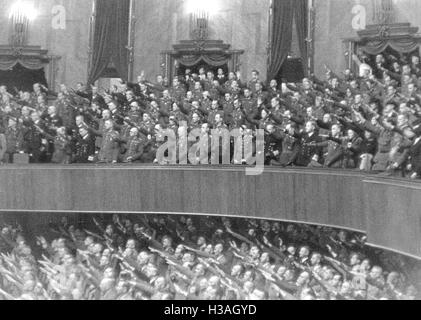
(368, 122)
(152, 257)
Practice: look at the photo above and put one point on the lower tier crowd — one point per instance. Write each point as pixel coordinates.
(152, 257)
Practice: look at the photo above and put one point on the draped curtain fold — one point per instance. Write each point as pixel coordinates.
(403, 45)
(22, 76)
(301, 22)
(8, 63)
(281, 39)
(110, 38)
(215, 59)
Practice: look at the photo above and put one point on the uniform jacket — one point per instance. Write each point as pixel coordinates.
(415, 156)
(109, 147)
(84, 148)
(134, 149)
(14, 139)
(308, 149)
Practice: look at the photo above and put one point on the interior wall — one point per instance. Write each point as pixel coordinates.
(71, 43)
(339, 19)
(163, 23)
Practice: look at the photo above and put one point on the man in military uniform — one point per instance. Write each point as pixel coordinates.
(248, 102)
(273, 144)
(254, 80)
(177, 91)
(92, 95)
(84, 147)
(227, 104)
(229, 81)
(177, 114)
(290, 146)
(115, 114)
(95, 97)
(309, 153)
(14, 140)
(352, 148)
(130, 98)
(91, 114)
(213, 112)
(195, 121)
(273, 91)
(208, 83)
(28, 100)
(234, 89)
(124, 130)
(414, 157)
(146, 126)
(154, 111)
(166, 101)
(39, 90)
(220, 145)
(172, 124)
(206, 102)
(32, 138)
(98, 127)
(335, 152)
(236, 118)
(155, 141)
(277, 111)
(4, 95)
(136, 87)
(53, 121)
(109, 146)
(384, 136)
(260, 94)
(158, 87)
(263, 115)
(3, 149)
(134, 147)
(295, 105)
(215, 91)
(221, 77)
(197, 91)
(65, 110)
(400, 146)
(135, 114)
(5, 114)
(187, 101)
(41, 104)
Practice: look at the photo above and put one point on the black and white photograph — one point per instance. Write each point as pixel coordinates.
(186, 151)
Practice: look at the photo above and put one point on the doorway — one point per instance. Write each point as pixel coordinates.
(195, 69)
(21, 78)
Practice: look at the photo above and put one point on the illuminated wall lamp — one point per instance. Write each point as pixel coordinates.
(22, 13)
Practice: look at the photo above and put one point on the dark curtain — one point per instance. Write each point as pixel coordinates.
(101, 44)
(282, 24)
(301, 22)
(110, 38)
(120, 37)
(292, 71)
